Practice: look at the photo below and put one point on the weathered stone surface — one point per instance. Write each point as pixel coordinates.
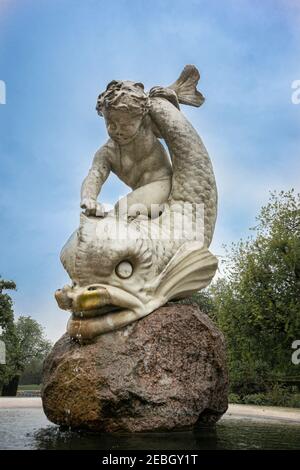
(153, 246)
(164, 372)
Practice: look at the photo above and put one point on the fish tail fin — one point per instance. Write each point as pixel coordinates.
(185, 87)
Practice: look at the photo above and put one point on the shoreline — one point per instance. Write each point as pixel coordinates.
(263, 413)
(250, 412)
(20, 402)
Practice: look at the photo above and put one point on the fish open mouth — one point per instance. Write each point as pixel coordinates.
(96, 313)
(97, 309)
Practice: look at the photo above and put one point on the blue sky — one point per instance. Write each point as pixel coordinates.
(55, 58)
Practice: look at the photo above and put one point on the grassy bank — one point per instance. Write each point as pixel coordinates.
(22, 388)
(277, 396)
(32, 390)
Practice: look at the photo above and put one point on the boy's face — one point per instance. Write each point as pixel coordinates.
(122, 126)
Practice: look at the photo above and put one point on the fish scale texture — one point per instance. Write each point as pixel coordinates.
(193, 177)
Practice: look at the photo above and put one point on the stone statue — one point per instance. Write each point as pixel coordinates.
(133, 152)
(167, 370)
(153, 247)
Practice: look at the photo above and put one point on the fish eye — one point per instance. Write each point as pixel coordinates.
(124, 269)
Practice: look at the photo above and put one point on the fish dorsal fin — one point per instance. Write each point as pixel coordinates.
(191, 269)
(185, 87)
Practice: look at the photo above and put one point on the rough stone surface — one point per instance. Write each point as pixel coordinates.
(164, 372)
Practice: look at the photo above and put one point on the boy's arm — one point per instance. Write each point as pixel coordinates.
(92, 184)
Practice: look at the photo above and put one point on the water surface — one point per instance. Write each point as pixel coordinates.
(29, 429)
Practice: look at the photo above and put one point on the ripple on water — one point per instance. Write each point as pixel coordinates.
(30, 429)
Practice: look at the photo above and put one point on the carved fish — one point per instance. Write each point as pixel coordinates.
(123, 269)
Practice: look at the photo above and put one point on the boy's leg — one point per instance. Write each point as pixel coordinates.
(147, 200)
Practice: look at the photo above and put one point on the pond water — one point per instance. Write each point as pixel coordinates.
(29, 429)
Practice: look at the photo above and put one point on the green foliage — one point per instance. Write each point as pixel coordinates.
(31, 343)
(234, 398)
(276, 396)
(257, 303)
(6, 310)
(8, 332)
(24, 339)
(203, 299)
(30, 387)
(32, 373)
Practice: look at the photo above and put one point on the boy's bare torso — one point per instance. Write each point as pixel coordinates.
(141, 162)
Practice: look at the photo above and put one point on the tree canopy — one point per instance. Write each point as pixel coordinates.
(31, 343)
(257, 302)
(8, 336)
(24, 339)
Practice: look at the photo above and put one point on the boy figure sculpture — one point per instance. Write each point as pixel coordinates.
(133, 153)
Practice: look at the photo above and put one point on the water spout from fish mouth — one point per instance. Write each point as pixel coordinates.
(96, 299)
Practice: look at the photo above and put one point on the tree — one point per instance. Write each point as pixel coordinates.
(8, 334)
(30, 345)
(6, 310)
(24, 342)
(257, 304)
(204, 301)
(32, 373)
(31, 341)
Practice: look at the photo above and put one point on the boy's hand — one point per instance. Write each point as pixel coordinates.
(92, 207)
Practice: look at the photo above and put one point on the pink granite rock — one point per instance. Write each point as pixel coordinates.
(164, 372)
